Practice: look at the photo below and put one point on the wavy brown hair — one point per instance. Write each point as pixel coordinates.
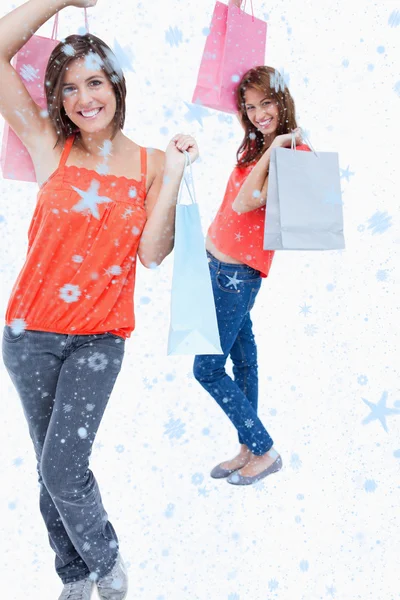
(101, 57)
(269, 81)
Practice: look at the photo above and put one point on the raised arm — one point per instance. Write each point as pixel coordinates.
(16, 105)
(158, 235)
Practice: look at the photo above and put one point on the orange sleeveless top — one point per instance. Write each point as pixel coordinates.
(242, 236)
(79, 273)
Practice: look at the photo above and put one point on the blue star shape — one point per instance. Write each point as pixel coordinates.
(90, 199)
(331, 591)
(105, 149)
(346, 173)
(173, 36)
(379, 222)
(93, 62)
(234, 280)
(380, 411)
(196, 113)
(305, 310)
(124, 57)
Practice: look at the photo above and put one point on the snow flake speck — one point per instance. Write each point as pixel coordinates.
(82, 432)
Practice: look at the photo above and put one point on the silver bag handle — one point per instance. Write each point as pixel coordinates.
(305, 138)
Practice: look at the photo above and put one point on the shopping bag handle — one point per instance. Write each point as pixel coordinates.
(188, 163)
(305, 138)
(238, 3)
(251, 4)
(54, 33)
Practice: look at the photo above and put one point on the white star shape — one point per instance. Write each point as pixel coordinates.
(234, 280)
(238, 236)
(113, 270)
(90, 199)
(128, 212)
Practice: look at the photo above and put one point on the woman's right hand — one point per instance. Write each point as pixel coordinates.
(285, 140)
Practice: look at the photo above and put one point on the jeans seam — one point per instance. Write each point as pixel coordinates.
(245, 364)
(253, 294)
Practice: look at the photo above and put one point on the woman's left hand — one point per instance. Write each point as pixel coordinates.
(174, 154)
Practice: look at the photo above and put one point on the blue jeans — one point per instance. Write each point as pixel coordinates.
(64, 383)
(235, 289)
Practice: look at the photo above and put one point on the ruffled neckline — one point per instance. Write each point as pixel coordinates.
(109, 176)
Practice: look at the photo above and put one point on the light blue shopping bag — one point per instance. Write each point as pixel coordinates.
(304, 204)
(193, 326)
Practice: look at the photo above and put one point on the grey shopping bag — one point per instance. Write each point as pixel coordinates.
(193, 324)
(304, 203)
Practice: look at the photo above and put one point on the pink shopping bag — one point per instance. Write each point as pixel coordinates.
(30, 63)
(235, 44)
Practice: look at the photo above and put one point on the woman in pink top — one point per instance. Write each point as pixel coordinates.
(103, 202)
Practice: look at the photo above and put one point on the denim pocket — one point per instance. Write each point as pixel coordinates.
(228, 283)
(10, 336)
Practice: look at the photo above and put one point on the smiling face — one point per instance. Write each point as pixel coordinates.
(265, 111)
(88, 97)
(262, 112)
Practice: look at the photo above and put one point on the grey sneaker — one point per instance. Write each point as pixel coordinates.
(114, 585)
(77, 590)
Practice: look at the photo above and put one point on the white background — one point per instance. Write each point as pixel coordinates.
(327, 525)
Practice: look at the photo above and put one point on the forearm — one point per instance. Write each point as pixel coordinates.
(253, 192)
(158, 236)
(20, 24)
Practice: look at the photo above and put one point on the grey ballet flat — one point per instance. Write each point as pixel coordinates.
(237, 479)
(219, 473)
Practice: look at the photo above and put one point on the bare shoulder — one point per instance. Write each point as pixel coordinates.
(155, 159)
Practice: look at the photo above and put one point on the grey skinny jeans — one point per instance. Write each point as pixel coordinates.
(64, 383)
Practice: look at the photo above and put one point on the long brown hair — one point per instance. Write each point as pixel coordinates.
(269, 81)
(102, 57)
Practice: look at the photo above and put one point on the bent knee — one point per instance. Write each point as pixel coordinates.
(207, 370)
(60, 482)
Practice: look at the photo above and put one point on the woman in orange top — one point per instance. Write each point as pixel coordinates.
(103, 201)
(237, 265)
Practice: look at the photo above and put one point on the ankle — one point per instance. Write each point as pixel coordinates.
(272, 453)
